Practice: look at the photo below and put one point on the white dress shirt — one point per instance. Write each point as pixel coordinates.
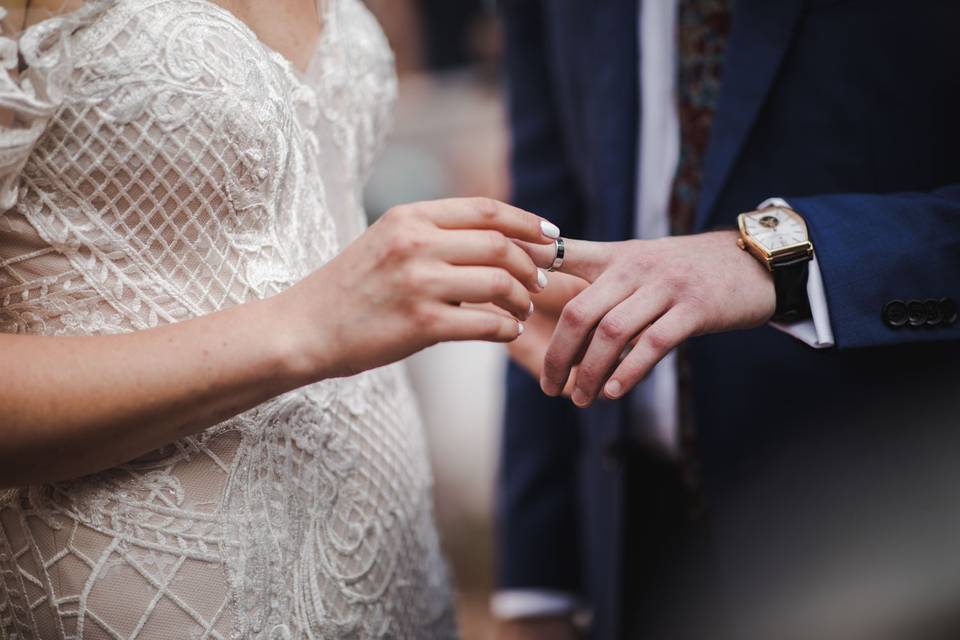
(655, 400)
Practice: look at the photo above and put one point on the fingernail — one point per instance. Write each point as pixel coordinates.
(549, 229)
(519, 328)
(579, 397)
(541, 279)
(613, 389)
(530, 311)
(548, 386)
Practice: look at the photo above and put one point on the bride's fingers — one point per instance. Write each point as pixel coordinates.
(487, 213)
(471, 323)
(484, 284)
(493, 249)
(581, 258)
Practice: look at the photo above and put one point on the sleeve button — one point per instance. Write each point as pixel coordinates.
(949, 310)
(916, 313)
(895, 313)
(934, 312)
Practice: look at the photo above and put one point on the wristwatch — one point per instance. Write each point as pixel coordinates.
(777, 237)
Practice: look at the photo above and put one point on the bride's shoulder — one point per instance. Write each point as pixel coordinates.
(184, 37)
(128, 54)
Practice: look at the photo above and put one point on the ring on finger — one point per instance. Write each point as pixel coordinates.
(558, 256)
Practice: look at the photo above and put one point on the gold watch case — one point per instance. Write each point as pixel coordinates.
(796, 245)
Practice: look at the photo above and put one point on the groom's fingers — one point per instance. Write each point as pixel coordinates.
(582, 258)
(577, 321)
(659, 339)
(617, 328)
(487, 213)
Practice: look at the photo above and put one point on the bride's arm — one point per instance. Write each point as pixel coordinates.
(75, 405)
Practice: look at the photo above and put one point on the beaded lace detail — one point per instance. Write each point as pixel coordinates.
(162, 164)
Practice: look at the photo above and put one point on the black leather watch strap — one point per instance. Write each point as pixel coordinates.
(790, 283)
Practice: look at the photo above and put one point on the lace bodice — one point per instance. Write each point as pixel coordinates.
(162, 164)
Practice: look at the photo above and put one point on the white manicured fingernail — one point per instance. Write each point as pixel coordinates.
(613, 389)
(530, 311)
(541, 278)
(549, 229)
(519, 328)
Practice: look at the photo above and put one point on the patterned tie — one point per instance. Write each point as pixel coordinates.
(702, 30)
(703, 27)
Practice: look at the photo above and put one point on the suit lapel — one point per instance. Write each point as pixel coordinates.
(760, 35)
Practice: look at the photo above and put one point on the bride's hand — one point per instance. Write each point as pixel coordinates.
(398, 287)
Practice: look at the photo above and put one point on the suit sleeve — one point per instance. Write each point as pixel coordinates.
(875, 249)
(538, 540)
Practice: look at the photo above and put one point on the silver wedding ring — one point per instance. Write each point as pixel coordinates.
(558, 256)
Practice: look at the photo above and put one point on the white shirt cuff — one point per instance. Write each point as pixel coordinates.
(815, 331)
(531, 603)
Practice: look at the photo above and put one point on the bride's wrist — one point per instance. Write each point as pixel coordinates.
(294, 338)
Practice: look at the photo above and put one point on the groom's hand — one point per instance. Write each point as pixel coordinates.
(529, 349)
(659, 292)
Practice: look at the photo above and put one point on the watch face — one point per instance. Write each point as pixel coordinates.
(776, 228)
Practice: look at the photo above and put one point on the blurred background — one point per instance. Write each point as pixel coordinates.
(855, 544)
(449, 139)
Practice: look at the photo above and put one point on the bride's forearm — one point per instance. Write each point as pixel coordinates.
(75, 405)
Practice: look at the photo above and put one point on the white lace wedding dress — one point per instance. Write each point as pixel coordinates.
(162, 164)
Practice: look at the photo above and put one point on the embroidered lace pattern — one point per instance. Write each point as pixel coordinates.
(163, 163)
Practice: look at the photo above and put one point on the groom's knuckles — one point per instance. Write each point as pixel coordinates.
(557, 362)
(608, 342)
(594, 368)
(575, 317)
(658, 340)
(640, 360)
(613, 328)
(631, 371)
(576, 320)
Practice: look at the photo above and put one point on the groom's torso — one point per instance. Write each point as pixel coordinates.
(818, 97)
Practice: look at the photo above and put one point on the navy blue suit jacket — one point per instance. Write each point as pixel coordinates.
(849, 109)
